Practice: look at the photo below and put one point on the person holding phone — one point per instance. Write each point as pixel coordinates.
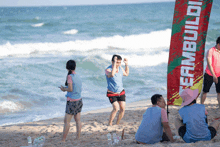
(74, 101)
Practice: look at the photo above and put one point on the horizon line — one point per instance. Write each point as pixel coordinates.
(87, 4)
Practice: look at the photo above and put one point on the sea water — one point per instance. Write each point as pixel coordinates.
(36, 43)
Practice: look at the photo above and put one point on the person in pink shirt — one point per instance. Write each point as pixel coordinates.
(212, 72)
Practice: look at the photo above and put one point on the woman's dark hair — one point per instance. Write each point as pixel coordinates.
(155, 98)
(70, 65)
(218, 40)
(193, 102)
(118, 57)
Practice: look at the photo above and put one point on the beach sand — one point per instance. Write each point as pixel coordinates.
(95, 129)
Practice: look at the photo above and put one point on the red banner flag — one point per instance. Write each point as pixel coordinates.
(186, 56)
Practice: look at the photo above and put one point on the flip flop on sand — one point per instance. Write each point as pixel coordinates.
(217, 118)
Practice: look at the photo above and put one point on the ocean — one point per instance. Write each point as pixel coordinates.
(36, 43)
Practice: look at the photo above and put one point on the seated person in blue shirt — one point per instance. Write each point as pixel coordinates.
(194, 126)
(154, 121)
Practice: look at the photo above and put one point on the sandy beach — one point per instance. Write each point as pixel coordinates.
(95, 129)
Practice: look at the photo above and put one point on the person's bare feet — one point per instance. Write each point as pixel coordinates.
(78, 137)
(121, 123)
(63, 139)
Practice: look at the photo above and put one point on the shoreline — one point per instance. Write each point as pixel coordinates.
(95, 129)
(107, 109)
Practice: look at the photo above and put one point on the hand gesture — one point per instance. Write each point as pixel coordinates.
(215, 79)
(62, 88)
(126, 61)
(115, 59)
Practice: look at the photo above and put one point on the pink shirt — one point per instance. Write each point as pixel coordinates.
(215, 62)
(206, 112)
(69, 80)
(163, 114)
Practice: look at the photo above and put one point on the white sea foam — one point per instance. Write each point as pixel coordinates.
(11, 123)
(71, 32)
(48, 115)
(143, 60)
(9, 106)
(38, 25)
(135, 43)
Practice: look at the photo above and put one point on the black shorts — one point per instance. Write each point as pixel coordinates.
(74, 107)
(113, 97)
(208, 81)
(164, 137)
(182, 131)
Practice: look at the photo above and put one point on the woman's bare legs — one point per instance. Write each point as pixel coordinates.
(66, 127)
(78, 125)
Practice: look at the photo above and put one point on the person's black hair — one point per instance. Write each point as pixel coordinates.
(193, 102)
(155, 98)
(70, 65)
(218, 40)
(118, 57)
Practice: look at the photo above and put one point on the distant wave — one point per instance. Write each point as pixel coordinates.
(146, 59)
(38, 25)
(144, 43)
(71, 32)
